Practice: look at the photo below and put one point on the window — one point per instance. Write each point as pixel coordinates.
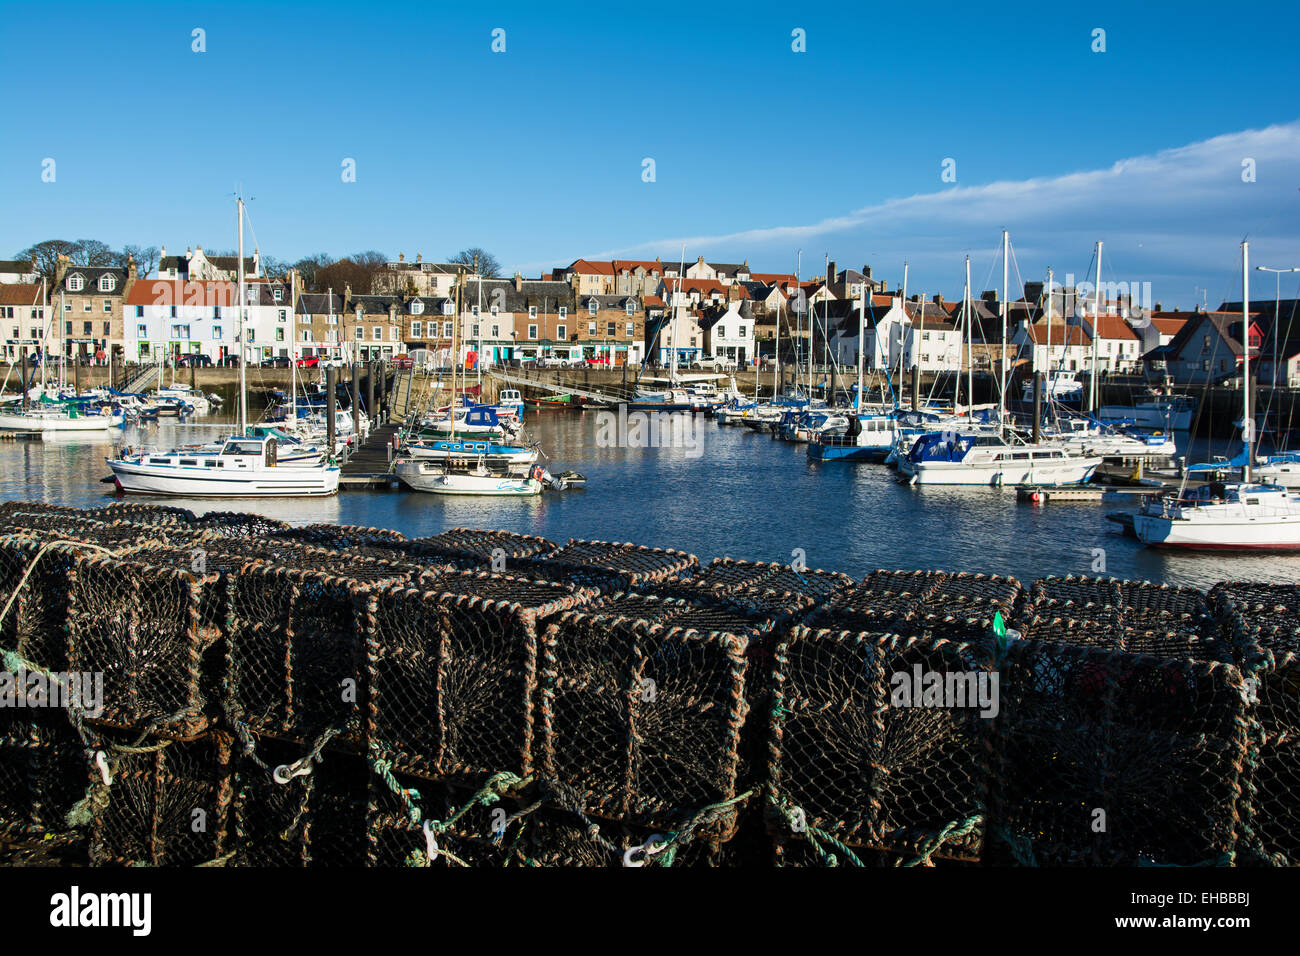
(564, 311)
(495, 331)
(279, 335)
(108, 305)
(36, 333)
(417, 329)
(282, 311)
(740, 333)
(532, 311)
(306, 335)
(591, 328)
(67, 328)
(76, 283)
(141, 331)
(360, 334)
(180, 331)
(630, 330)
(173, 315)
(279, 295)
(216, 333)
(447, 307)
(611, 329)
(474, 309)
(87, 306)
(591, 307)
(561, 332)
(446, 329)
(376, 333)
(85, 329)
(394, 333)
(251, 337)
(532, 331)
(139, 312)
(631, 306)
(495, 310)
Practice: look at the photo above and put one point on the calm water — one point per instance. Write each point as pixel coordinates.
(746, 496)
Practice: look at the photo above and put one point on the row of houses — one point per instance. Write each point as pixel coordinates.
(616, 312)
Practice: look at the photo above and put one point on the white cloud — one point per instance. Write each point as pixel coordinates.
(1173, 218)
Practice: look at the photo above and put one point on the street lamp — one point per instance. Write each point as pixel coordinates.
(1277, 318)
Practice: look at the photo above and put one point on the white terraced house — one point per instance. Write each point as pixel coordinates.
(163, 319)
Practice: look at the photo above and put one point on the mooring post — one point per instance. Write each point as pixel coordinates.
(370, 392)
(916, 388)
(24, 378)
(331, 406)
(76, 374)
(356, 405)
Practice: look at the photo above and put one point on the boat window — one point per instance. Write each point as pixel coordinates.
(1252, 501)
(242, 448)
(1019, 455)
(188, 461)
(159, 461)
(212, 463)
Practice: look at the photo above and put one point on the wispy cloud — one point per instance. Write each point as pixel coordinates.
(1171, 217)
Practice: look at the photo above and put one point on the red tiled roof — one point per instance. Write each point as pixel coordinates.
(774, 278)
(205, 293)
(653, 300)
(591, 267)
(20, 293)
(1114, 327)
(1062, 334)
(650, 265)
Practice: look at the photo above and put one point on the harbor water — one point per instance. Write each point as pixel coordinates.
(721, 491)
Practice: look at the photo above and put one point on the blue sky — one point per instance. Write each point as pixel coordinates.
(536, 153)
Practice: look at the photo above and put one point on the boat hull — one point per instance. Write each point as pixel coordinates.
(1217, 535)
(287, 482)
(38, 423)
(424, 476)
(1072, 472)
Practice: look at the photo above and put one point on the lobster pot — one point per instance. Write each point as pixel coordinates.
(643, 719)
(453, 672)
(166, 807)
(44, 770)
(1264, 621)
(555, 836)
(482, 836)
(609, 566)
(338, 537)
(1109, 757)
(140, 628)
(313, 819)
(233, 524)
(296, 657)
(1115, 630)
(35, 624)
(472, 549)
(958, 607)
(725, 576)
(880, 741)
(139, 513)
(1136, 605)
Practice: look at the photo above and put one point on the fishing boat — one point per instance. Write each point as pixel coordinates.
(510, 401)
(437, 478)
(1166, 412)
(470, 449)
(950, 458)
(246, 464)
(553, 401)
(1248, 515)
(56, 417)
(867, 438)
(1063, 386)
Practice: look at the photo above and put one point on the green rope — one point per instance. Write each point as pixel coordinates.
(954, 830)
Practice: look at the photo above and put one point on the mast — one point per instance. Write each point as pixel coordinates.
(903, 328)
(1096, 329)
(455, 351)
(1002, 312)
(862, 338)
(1247, 422)
(776, 369)
(478, 364)
(970, 365)
(243, 344)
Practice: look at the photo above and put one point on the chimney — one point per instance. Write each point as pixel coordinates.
(831, 272)
(519, 282)
(1158, 308)
(401, 257)
(417, 257)
(131, 273)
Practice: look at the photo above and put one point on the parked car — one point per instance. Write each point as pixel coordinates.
(715, 363)
(332, 363)
(276, 361)
(229, 361)
(196, 359)
(552, 361)
(311, 361)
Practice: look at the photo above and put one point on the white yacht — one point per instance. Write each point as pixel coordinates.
(949, 458)
(1169, 413)
(1239, 516)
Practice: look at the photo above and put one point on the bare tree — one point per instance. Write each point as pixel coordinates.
(488, 266)
(92, 252)
(146, 259)
(47, 255)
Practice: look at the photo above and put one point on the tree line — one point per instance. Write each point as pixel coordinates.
(318, 273)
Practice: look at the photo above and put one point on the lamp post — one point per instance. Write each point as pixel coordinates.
(1277, 318)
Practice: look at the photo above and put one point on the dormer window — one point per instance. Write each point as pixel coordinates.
(447, 307)
(279, 294)
(591, 307)
(76, 283)
(107, 283)
(630, 305)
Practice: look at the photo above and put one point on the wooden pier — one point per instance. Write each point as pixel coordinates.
(370, 465)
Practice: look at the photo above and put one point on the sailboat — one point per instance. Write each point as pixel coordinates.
(1238, 516)
(242, 466)
(443, 471)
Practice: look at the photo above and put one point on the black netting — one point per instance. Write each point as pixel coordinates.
(1105, 757)
(312, 819)
(166, 807)
(340, 536)
(647, 717)
(881, 741)
(453, 672)
(138, 630)
(232, 524)
(477, 549)
(145, 514)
